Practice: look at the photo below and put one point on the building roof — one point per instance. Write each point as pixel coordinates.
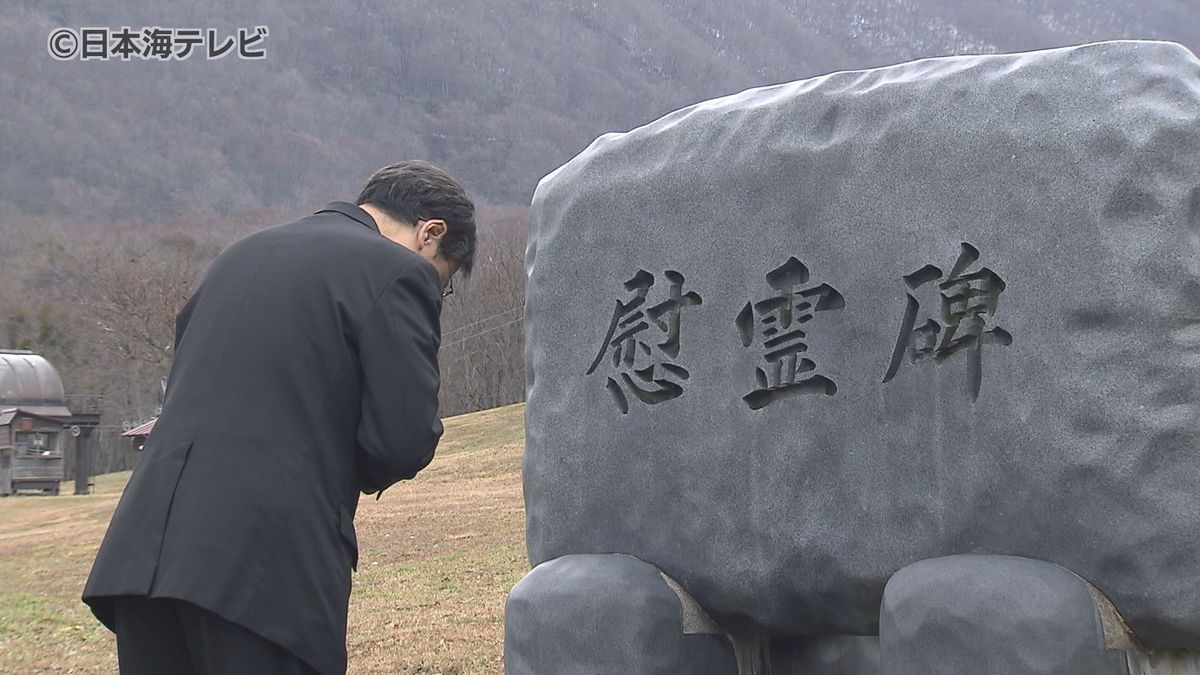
(29, 381)
(8, 414)
(141, 429)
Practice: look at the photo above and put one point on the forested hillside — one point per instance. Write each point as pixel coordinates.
(120, 180)
(498, 91)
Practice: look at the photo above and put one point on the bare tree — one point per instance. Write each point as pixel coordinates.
(482, 338)
(124, 293)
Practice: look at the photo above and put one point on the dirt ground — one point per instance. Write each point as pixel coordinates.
(437, 557)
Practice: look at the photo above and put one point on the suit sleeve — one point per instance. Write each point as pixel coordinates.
(399, 427)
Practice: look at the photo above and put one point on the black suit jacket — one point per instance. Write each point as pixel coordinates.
(305, 373)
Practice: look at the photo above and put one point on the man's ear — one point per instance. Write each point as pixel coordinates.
(431, 230)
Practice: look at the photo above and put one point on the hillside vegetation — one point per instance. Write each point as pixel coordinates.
(120, 181)
(498, 91)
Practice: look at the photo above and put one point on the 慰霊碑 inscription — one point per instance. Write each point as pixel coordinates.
(966, 301)
(779, 323)
(643, 367)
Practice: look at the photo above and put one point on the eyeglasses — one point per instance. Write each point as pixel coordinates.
(449, 289)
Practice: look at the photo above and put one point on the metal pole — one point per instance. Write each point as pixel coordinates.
(83, 460)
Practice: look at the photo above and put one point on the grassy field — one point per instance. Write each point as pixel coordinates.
(437, 557)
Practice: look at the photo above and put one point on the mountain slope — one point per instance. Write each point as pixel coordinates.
(498, 91)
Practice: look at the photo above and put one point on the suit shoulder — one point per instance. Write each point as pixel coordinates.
(332, 246)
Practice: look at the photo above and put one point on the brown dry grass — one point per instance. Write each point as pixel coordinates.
(438, 556)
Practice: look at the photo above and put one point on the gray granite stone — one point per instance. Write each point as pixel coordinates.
(1048, 407)
(825, 655)
(604, 615)
(992, 615)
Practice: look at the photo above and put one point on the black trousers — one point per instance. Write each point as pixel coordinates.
(168, 637)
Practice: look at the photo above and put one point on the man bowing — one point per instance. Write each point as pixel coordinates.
(305, 373)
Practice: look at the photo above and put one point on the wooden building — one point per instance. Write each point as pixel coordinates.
(31, 451)
(34, 424)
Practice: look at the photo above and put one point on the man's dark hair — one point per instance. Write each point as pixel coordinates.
(413, 190)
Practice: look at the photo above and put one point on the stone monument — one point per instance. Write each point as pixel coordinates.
(890, 371)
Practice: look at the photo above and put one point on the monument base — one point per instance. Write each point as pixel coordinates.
(979, 614)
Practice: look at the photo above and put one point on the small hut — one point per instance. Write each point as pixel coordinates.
(33, 421)
(31, 451)
(140, 433)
